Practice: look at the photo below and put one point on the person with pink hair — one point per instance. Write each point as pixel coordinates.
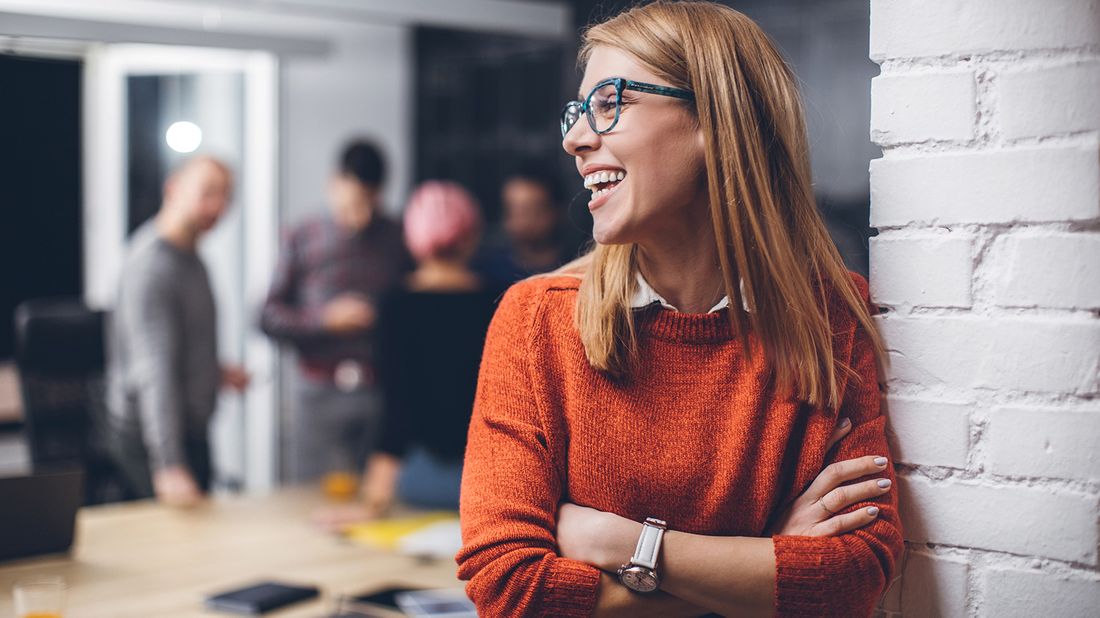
(432, 331)
(442, 231)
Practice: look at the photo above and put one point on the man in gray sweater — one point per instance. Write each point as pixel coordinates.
(163, 370)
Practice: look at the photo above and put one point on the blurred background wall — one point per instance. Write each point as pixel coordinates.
(457, 89)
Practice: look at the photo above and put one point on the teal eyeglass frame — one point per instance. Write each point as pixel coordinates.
(574, 109)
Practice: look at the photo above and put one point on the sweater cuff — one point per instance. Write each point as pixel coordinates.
(167, 454)
(571, 590)
(806, 576)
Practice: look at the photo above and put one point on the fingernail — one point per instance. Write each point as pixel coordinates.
(884, 483)
(880, 461)
(872, 511)
(844, 422)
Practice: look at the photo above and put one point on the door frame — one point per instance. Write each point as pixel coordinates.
(106, 68)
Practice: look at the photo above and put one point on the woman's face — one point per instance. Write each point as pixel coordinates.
(657, 148)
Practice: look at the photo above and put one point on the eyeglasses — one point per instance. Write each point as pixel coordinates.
(604, 103)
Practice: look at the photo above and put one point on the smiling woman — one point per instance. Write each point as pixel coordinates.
(700, 390)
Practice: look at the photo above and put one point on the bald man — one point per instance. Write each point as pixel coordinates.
(163, 369)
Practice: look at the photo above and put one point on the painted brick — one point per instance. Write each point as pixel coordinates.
(933, 586)
(1010, 353)
(923, 106)
(1021, 520)
(1046, 270)
(1011, 592)
(929, 270)
(1025, 185)
(1049, 101)
(926, 432)
(1044, 442)
(918, 28)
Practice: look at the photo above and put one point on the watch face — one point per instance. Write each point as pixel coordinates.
(639, 579)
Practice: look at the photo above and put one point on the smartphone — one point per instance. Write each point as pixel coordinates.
(444, 603)
(386, 597)
(260, 598)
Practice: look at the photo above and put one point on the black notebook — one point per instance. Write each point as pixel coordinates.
(260, 598)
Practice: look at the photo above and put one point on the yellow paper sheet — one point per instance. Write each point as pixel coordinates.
(386, 533)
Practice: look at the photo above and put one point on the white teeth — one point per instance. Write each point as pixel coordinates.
(601, 177)
(598, 192)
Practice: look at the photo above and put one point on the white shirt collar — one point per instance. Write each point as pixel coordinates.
(645, 295)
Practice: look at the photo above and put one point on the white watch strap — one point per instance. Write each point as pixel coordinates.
(649, 544)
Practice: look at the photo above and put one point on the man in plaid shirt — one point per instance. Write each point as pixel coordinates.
(332, 272)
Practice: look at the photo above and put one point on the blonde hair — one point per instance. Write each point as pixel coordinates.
(768, 231)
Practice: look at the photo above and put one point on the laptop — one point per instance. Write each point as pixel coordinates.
(39, 512)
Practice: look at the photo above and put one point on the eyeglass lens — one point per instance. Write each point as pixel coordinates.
(602, 109)
(570, 115)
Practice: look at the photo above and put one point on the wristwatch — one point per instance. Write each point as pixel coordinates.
(640, 574)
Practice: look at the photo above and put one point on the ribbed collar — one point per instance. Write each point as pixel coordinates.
(690, 328)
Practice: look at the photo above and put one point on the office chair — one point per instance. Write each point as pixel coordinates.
(59, 351)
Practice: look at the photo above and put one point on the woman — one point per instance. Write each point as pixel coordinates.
(690, 372)
(431, 336)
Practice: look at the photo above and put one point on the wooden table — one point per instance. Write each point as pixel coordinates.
(143, 559)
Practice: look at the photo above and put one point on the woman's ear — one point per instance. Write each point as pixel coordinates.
(701, 147)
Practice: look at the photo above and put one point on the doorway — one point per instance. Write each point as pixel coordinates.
(148, 109)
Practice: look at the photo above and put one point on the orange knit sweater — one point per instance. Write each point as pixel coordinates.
(697, 437)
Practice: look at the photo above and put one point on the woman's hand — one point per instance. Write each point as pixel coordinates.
(813, 513)
(602, 539)
(380, 484)
(379, 487)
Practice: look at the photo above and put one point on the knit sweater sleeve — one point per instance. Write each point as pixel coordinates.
(847, 574)
(511, 487)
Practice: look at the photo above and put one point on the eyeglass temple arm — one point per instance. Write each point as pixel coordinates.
(662, 90)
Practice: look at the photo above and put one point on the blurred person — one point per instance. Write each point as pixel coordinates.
(536, 233)
(332, 271)
(163, 369)
(432, 332)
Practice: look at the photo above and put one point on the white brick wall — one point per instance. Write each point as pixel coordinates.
(987, 200)
(927, 432)
(901, 111)
(1045, 442)
(1047, 522)
(1047, 184)
(931, 28)
(1046, 269)
(1032, 592)
(943, 281)
(930, 582)
(1050, 100)
(976, 352)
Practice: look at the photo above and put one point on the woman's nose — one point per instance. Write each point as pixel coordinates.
(580, 138)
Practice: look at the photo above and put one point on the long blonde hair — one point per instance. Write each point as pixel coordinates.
(769, 233)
